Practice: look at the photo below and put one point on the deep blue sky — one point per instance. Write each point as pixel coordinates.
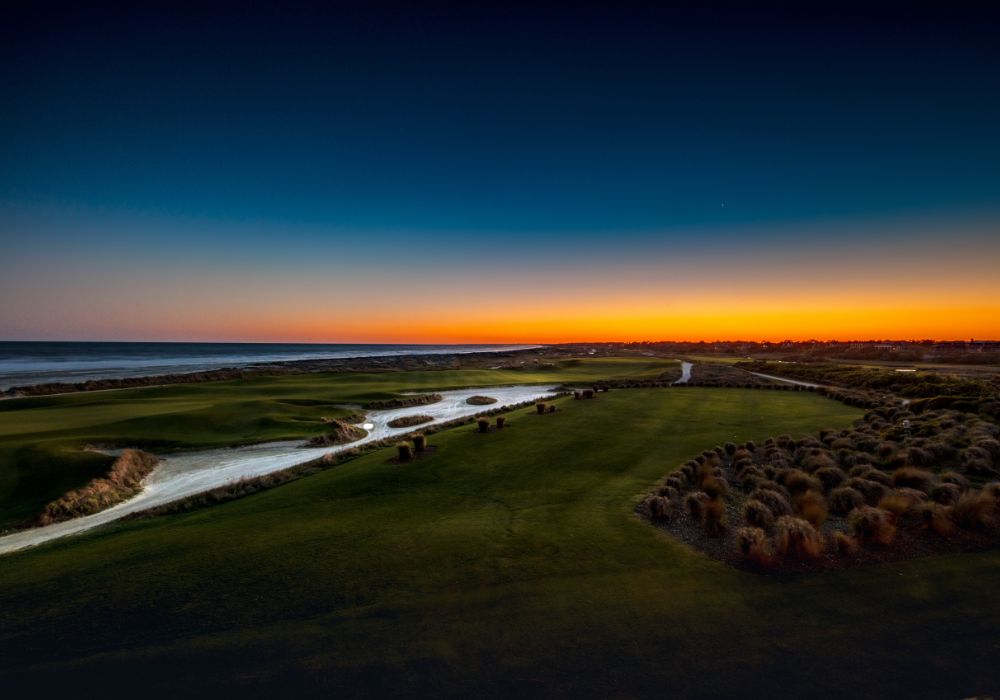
(279, 136)
(459, 117)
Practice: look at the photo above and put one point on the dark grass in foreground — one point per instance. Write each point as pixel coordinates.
(506, 563)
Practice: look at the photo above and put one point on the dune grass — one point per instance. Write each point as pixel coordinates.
(505, 564)
(41, 437)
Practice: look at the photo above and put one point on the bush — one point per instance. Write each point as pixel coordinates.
(830, 477)
(480, 400)
(946, 493)
(900, 501)
(845, 499)
(714, 516)
(408, 421)
(501, 421)
(955, 478)
(913, 478)
(405, 454)
(872, 491)
(845, 544)
(757, 515)
(484, 425)
(419, 442)
(660, 508)
(872, 525)
(714, 486)
(797, 481)
(540, 408)
(775, 502)
(935, 517)
(694, 504)
(753, 546)
(812, 508)
(794, 537)
(975, 510)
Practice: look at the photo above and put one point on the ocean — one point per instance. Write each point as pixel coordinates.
(24, 363)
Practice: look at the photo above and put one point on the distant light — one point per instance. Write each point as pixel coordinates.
(368, 426)
(906, 370)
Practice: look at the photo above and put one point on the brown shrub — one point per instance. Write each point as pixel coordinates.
(757, 515)
(714, 516)
(405, 453)
(871, 490)
(694, 504)
(872, 525)
(714, 487)
(845, 499)
(797, 481)
(830, 477)
(419, 442)
(752, 544)
(975, 510)
(946, 493)
(955, 478)
(660, 508)
(775, 501)
(936, 518)
(794, 537)
(845, 544)
(812, 508)
(900, 501)
(540, 408)
(913, 478)
(501, 422)
(122, 481)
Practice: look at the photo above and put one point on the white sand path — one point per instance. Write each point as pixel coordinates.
(186, 474)
(685, 373)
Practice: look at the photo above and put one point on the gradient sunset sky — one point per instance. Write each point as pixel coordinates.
(422, 172)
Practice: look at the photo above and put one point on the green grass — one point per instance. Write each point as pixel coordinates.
(503, 564)
(40, 438)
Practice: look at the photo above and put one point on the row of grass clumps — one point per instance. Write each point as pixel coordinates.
(409, 421)
(896, 485)
(403, 402)
(251, 485)
(122, 482)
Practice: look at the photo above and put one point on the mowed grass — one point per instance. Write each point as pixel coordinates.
(41, 438)
(503, 564)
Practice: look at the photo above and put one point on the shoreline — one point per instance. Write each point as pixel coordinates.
(483, 359)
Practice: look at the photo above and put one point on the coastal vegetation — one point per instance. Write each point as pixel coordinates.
(338, 432)
(409, 421)
(123, 480)
(896, 484)
(480, 400)
(402, 402)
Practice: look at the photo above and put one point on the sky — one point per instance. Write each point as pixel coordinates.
(424, 172)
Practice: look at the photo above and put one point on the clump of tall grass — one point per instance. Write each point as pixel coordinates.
(914, 478)
(501, 421)
(975, 510)
(797, 481)
(845, 544)
(122, 481)
(484, 425)
(936, 518)
(660, 508)
(540, 408)
(845, 499)
(714, 516)
(830, 477)
(872, 525)
(419, 442)
(776, 502)
(946, 493)
(795, 537)
(872, 491)
(811, 507)
(404, 452)
(694, 504)
(753, 546)
(757, 514)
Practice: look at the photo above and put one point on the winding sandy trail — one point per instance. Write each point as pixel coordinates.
(182, 475)
(685, 372)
